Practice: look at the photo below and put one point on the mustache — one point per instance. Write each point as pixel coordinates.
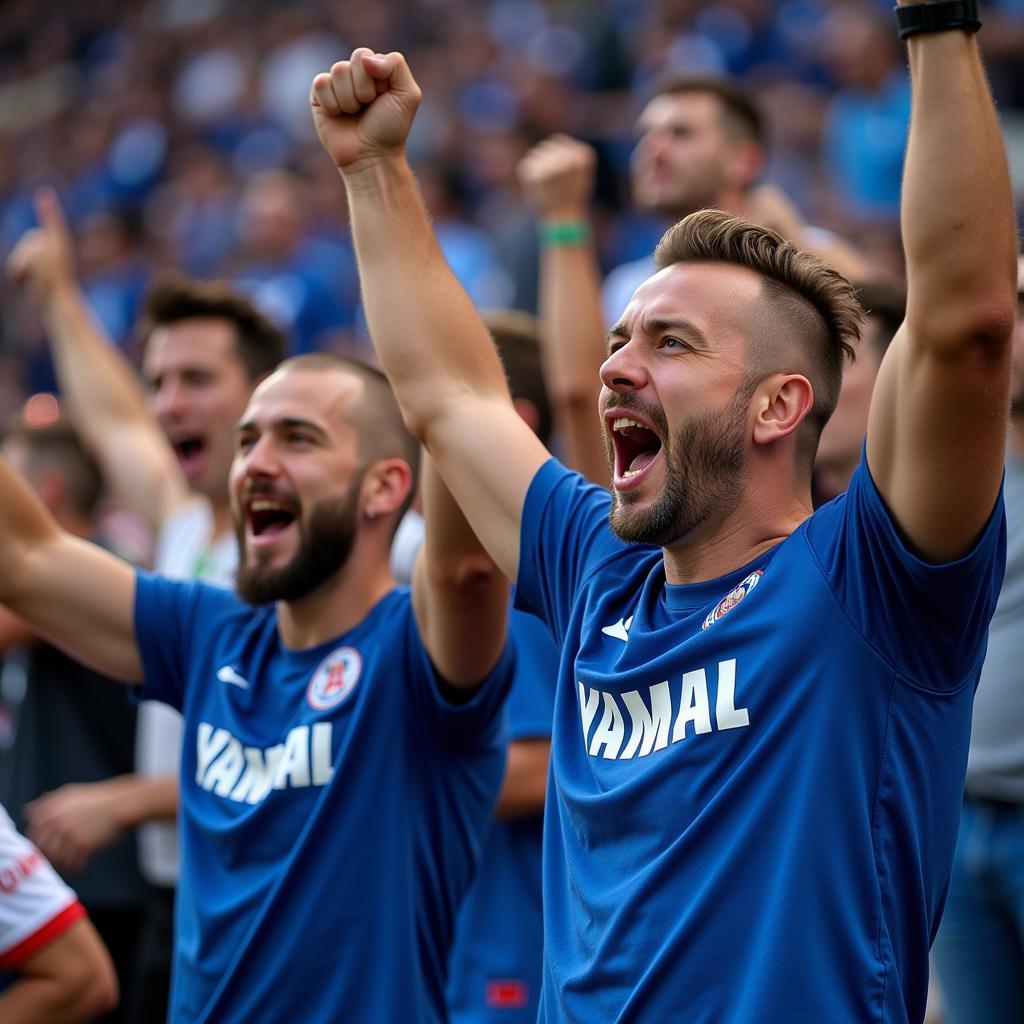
(633, 403)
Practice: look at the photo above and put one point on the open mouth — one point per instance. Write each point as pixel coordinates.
(268, 518)
(636, 447)
(189, 450)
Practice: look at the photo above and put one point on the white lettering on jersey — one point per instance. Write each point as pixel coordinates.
(650, 714)
(248, 774)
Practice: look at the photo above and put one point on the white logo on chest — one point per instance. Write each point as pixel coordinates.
(652, 719)
(247, 774)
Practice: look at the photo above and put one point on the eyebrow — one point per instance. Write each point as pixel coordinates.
(288, 423)
(658, 325)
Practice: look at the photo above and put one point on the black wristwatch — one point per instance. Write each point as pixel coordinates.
(937, 16)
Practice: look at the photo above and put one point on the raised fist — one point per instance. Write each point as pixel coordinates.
(557, 176)
(363, 108)
(43, 260)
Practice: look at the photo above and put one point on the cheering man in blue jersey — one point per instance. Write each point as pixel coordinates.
(761, 729)
(342, 753)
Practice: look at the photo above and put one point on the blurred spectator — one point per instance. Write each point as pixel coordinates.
(94, 723)
(306, 284)
(868, 117)
(979, 949)
(53, 966)
(839, 448)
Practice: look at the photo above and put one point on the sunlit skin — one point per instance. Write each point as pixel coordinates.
(684, 159)
(198, 388)
(679, 352)
(294, 447)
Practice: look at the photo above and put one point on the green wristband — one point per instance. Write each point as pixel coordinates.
(565, 232)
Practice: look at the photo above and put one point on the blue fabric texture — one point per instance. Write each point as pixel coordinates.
(333, 808)
(755, 780)
(496, 962)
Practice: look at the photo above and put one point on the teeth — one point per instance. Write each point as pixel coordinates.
(266, 506)
(622, 424)
(630, 473)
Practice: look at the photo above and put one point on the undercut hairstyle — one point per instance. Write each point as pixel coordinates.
(57, 447)
(742, 116)
(517, 338)
(377, 416)
(886, 303)
(172, 298)
(805, 302)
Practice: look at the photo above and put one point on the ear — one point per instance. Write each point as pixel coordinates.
(386, 485)
(781, 403)
(744, 164)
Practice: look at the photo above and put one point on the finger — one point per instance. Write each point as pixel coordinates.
(392, 69)
(364, 85)
(341, 83)
(49, 213)
(322, 94)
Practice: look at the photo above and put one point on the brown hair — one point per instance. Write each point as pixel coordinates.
(742, 116)
(260, 343)
(57, 446)
(810, 302)
(517, 338)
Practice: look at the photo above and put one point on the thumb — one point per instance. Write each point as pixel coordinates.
(49, 213)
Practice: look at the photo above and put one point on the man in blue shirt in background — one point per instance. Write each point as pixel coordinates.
(760, 730)
(342, 749)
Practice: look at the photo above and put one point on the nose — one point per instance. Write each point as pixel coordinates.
(169, 401)
(260, 460)
(622, 371)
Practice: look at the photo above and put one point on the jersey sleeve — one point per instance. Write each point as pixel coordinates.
(168, 614)
(531, 700)
(930, 621)
(475, 724)
(36, 907)
(563, 535)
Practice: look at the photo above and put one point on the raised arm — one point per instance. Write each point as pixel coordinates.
(75, 594)
(431, 341)
(937, 427)
(557, 176)
(102, 392)
(460, 596)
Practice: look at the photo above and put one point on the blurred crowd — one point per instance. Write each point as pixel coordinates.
(177, 134)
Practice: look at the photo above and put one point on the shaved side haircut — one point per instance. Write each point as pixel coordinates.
(807, 311)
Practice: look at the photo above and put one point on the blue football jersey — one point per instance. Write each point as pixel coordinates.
(495, 971)
(333, 807)
(756, 780)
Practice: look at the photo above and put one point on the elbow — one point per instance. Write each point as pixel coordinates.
(978, 329)
(91, 989)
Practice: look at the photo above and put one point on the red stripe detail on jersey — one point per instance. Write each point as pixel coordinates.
(507, 994)
(38, 940)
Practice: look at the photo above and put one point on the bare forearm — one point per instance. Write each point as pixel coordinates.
(99, 385)
(573, 348)
(430, 339)
(525, 783)
(142, 798)
(24, 525)
(957, 215)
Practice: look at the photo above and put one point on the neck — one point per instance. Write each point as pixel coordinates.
(755, 524)
(339, 604)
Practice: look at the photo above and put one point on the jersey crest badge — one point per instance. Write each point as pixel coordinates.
(733, 598)
(334, 679)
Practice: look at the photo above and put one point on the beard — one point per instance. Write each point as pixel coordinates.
(703, 462)
(325, 543)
